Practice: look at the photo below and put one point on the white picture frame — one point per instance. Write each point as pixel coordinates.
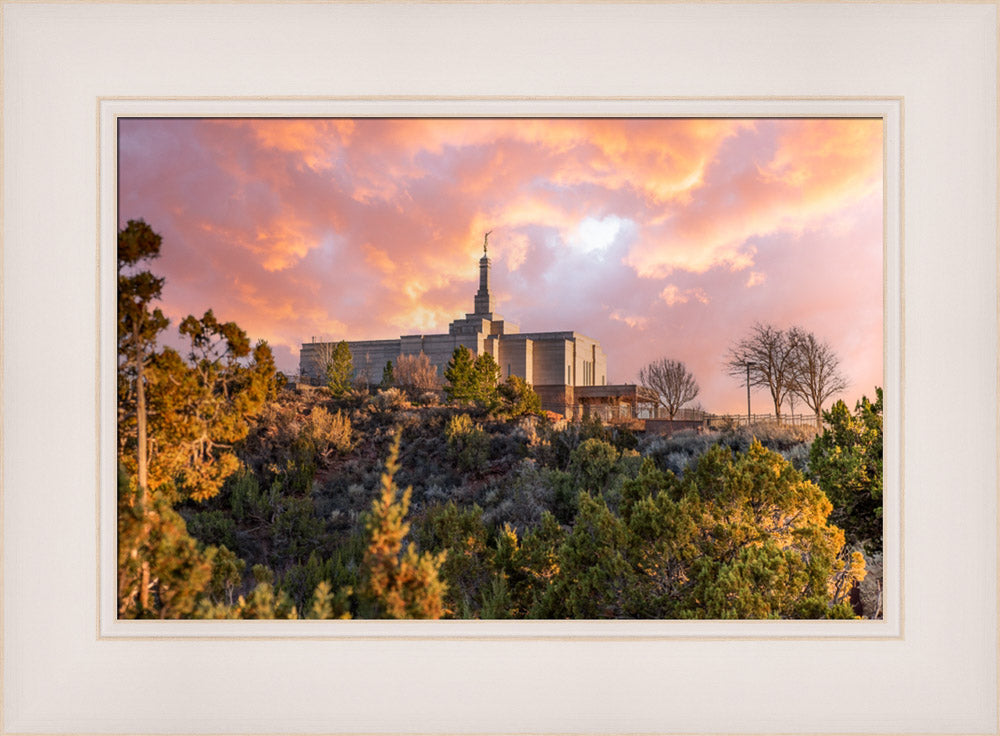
(929, 667)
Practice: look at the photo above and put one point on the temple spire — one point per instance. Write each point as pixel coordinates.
(484, 300)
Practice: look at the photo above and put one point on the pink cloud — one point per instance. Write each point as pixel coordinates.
(781, 177)
(672, 295)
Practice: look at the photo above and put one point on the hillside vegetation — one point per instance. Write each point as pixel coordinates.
(514, 517)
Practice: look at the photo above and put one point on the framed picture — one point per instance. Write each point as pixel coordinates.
(841, 220)
(929, 666)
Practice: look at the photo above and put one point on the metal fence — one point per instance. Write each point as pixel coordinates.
(725, 420)
(741, 420)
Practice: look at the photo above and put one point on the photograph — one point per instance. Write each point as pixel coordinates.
(556, 368)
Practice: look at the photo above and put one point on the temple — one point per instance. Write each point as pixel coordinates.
(567, 370)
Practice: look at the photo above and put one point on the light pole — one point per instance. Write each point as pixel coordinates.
(749, 366)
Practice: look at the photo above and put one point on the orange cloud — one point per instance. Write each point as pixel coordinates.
(379, 259)
(632, 320)
(282, 244)
(672, 295)
(639, 153)
(818, 169)
(311, 141)
(278, 244)
(421, 320)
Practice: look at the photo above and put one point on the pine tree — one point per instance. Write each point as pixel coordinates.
(323, 601)
(397, 583)
(388, 376)
(595, 578)
(486, 378)
(472, 380)
(340, 370)
(227, 575)
(530, 565)
(593, 465)
(468, 567)
(138, 327)
(162, 571)
(264, 602)
(204, 405)
(468, 444)
(742, 535)
(518, 398)
(758, 538)
(846, 462)
(459, 375)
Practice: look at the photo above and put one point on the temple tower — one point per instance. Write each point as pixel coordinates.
(484, 300)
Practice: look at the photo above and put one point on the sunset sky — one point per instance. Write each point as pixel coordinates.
(658, 237)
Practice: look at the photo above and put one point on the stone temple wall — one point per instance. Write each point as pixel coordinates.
(516, 357)
(589, 362)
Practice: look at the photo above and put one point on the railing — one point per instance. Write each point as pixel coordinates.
(647, 411)
(644, 411)
(741, 420)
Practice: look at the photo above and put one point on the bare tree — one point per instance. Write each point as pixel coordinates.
(672, 383)
(321, 358)
(817, 375)
(771, 355)
(415, 373)
(363, 373)
(791, 403)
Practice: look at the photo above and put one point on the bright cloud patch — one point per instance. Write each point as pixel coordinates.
(594, 235)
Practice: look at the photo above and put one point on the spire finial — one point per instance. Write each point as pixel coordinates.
(485, 240)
